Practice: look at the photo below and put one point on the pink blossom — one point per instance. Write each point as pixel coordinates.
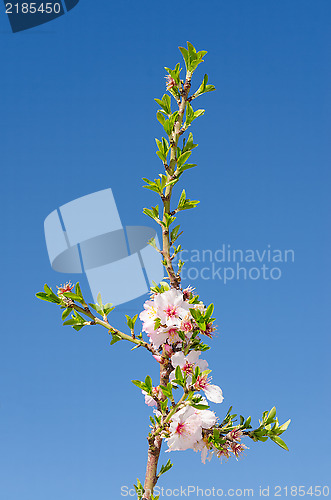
(186, 428)
(187, 363)
(171, 307)
(237, 448)
(148, 316)
(212, 392)
(67, 287)
(224, 452)
(234, 435)
(209, 330)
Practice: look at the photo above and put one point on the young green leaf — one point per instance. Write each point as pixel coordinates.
(279, 441)
(48, 298)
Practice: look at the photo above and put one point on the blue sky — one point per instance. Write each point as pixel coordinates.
(78, 116)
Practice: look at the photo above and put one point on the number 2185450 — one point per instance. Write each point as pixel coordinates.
(301, 491)
(33, 8)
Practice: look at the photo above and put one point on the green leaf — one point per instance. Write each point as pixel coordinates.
(72, 296)
(183, 158)
(192, 51)
(165, 468)
(161, 118)
(200, 407)
(152, 243)
(204, 87)
(99, 300)
(186, 167)
(279, 441)
(97, 308)
(139, 384)
(77, 327)
(271, 415)
(66, 313)
(198, 113)
(209, 311)
(78, 291)
(182, 198)
(134, 319)
(282, 428)
(189, 145)
(164, 405)
(174, 234)
(248, 421)
(150, 213)
(48, 290)
(188, 204)
(115, 338)
(185, 55)
(171, 183)
(178, 373)
(44, 296)
(70, 322)
(139, 489)
(108, 308)
(148, 384)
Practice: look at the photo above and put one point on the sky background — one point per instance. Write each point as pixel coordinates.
(78, 116)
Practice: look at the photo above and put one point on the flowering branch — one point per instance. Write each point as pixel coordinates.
(67, 300)
(175, 320)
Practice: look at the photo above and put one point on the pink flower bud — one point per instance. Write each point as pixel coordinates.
(168, 349)
(170, 82)
(67, 287)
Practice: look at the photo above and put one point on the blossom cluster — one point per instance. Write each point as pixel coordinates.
(171, 324)
(167, 317)
(189, 429)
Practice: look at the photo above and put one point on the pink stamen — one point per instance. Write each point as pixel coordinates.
(180, 428)
(202, 382)
(171, 311)
(188, 368)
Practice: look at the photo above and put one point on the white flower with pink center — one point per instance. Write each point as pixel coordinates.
(148, 316)
(171, 307)
(212, 392)
(185, 430)
(187, 364)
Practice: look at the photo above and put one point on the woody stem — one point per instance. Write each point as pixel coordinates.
(155, 440)
(174, 137)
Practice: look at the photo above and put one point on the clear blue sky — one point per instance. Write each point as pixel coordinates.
(77, 116)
